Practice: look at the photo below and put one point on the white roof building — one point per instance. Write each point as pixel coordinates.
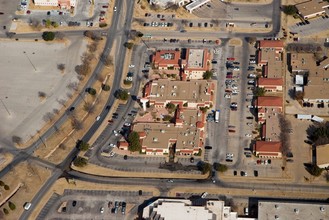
(299, 80)
(173, 209)
(195, 4)
(166, 3)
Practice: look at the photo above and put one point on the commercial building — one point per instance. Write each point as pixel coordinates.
(190, 94)
(321, 157)
(167, 60)
(277, 210)
(197, 62)
(60, 3)
(194, 4)
(168, 3)
(173, 209)
(271, 84)
(183, 135)
(268, 149)
(270, 55)
(316, 75)
(312, 8)
(268, 105)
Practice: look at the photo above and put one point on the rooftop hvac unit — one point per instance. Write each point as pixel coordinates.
(296, 211)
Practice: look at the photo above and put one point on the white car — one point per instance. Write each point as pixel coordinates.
(27, 206)
(234, 105)
(115, 133)
(170, 181)
(204, 195)
(115, 8)
(101, 210)
(112, 154)
(131, 66)
(229, 155)
(248, 135)
(98, 117)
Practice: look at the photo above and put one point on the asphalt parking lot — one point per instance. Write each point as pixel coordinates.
(315, 25)
(8, 9)
(93, 204)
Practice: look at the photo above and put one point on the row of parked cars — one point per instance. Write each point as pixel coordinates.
(117, 206)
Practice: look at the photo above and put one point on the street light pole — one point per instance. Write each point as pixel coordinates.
(30, 60)
(5, 107)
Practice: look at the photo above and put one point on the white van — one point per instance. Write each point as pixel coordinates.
(27, 206)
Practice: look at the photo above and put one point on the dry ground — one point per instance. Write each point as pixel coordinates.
(31, 177)
(62, 184)
(54, 151)
(98, 170)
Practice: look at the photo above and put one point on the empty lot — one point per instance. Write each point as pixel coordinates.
(28, 68)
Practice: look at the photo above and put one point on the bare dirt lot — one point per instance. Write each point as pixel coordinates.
(32, 85)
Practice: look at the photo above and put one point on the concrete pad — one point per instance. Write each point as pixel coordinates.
(26, 69)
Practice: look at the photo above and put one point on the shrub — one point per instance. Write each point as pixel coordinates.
(167, 118)
(92, 91)
(290, 9)
(5, 211)
(128, 45)
(11, 205)
(2, 183)
(106, 87)
(83, 146)
(207, 75)
(6, 187)
(134, 143)
(220, 167)
(48, 36)
(127, 82)
(122, 95)
(16, 140)
(102, 25)
(80, 162)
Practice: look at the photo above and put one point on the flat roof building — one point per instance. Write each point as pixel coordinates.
(168, 3)
(273, 210)
(194, 4)
(316, 74)
(322, 156)
(60, 3)
(195, 93)
(196, 63)
(271, 84)
(184, 134)
(312, 8)
(174, 209)
(270, 55)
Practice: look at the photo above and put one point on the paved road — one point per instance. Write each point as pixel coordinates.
(121, 38)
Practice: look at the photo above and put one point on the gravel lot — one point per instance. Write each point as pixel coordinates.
(27, 69)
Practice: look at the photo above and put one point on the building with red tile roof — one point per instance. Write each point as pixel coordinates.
(271, 84)
(191, 94)
(268, 149)
(167, 59)
(269, 101)
(184, 135)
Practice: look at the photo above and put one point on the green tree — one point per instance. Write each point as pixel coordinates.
(204, 167)
(167, 118)
(92, 91)
(220, 167)
(48, 23)
(5, 211)
(80, 162)
(139, 34)
(289, 9)
(185, 104)
(128, 45)
(134, 143)
(122, 95)
(315, 170)
(11, 205)
(127, 82)
(106, 87)
(48, 36)
(83, 146)
(171, 107)
(259, 91)
(2, 183)
(102, 25)
(204, 109)
(6, 187)
(207, 74)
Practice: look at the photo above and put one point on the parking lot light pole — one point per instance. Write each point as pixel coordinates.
(30, 60)
(5, 107)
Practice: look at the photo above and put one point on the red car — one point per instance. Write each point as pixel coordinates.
(28, 12)
(231, 58)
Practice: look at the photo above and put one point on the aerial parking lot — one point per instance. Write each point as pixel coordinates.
(32, 85)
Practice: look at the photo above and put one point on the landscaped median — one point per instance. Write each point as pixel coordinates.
(103, 171)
